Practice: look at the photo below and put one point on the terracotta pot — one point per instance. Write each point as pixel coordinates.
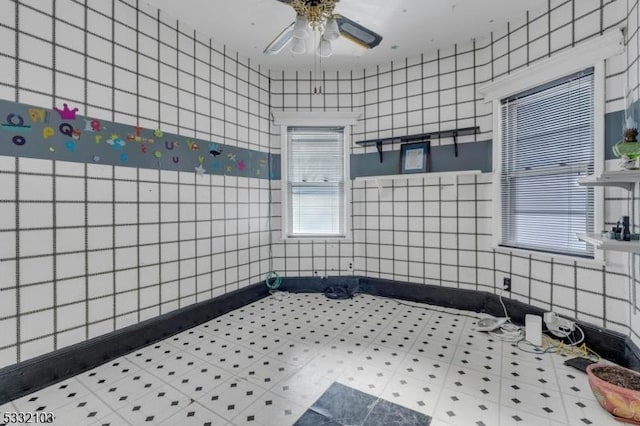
(622, 403)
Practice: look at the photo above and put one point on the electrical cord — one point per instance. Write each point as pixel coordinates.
(539, 350)
(504, 308)
(339, 292)
(279, 295)
(575, 348)
(427, 307)
(508, 332)
(275, 282)
(567, 334)
(511, 332)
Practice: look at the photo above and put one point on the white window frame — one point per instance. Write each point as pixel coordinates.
(315, 119)
(590, 53)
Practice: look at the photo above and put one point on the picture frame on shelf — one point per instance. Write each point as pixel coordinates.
(414, 157)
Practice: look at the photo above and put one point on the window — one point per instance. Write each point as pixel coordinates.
(315, 180)
(315, 173)
(537, 203)
(547, 143)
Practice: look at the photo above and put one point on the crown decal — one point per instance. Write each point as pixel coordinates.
(66, 113)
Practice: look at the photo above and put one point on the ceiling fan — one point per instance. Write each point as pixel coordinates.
(318, 15)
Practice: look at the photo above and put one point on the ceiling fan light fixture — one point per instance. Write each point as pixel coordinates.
(301, 27)
(331, 30)
(299, 46)
(324, 48)
(318, 17)
(280, 41)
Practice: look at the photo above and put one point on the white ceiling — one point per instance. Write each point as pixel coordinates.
(408, 27)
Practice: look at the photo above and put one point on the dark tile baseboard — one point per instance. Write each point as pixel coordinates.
(609, 344)
(28, 376)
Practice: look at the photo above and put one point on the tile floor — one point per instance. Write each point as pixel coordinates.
(268, 362)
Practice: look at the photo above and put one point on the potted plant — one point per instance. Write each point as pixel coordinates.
(628, 149)
(617, 389)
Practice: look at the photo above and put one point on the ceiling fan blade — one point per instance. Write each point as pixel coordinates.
(280, 41)
(357, 33)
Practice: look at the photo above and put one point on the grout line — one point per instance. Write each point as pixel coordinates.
(210, 177)
(54, 256)
(114, 244)
(17, 7)
(113, 61)
(575, 290)
(137, 269)
(551, 305)
(548, 28)
(160, 241)
(86, 254)
(18, 269)
(604, 299)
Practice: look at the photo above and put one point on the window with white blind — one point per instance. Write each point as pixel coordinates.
(315, 182)
(547, 143)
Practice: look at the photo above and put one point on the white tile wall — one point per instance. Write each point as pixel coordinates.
(430, 232)
(121, 245)
(92, 248)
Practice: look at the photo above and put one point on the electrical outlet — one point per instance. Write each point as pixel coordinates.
(506, 284)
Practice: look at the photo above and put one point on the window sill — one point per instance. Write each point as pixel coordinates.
(330, 240)
(539, 255)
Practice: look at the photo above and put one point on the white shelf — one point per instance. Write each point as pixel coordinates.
(606, 244)
(620, 178)
(383, 180)
(417, 175)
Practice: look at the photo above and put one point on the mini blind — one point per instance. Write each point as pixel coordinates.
(547, 144)
(315, 181)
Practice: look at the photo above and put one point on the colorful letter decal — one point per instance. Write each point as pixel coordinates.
(15, 123)
(62, 131)
(37, 115)
(66, 129)
(47, 132)
(92, 125)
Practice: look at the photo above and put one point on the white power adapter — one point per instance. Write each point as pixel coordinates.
(558, 326)
(533, 329)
